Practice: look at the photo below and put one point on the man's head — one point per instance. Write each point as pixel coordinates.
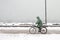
(38, 17)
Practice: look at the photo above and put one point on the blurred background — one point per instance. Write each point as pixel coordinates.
(28, 10)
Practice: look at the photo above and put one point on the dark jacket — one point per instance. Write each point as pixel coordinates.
(39, 22)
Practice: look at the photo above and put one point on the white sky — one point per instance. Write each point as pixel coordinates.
(28, 10)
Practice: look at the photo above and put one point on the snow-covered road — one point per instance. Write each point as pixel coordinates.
(25, 30)
(29, 36)
(23, 34)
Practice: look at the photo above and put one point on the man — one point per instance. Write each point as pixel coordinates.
(39, 23)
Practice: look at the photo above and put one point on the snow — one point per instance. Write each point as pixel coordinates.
(27, 36)
(16, 24)
(22, 33)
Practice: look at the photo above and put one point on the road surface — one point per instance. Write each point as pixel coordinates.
(18, 33)
(25, 30)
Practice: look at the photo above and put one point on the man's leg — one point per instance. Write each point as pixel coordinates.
(39, 29)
